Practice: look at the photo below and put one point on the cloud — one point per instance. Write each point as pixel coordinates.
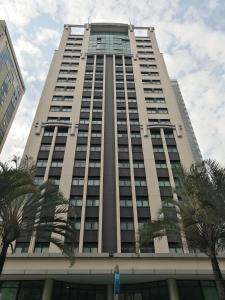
(18, 12)
(44, 36)
(19, 131)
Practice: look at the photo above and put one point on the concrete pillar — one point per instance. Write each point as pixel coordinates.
(109, 292)
(173, 291)
(47, 292)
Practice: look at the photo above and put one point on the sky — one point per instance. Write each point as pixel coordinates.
(190, 33)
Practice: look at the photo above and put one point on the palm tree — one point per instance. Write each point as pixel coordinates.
(27, 209)
(200, 214)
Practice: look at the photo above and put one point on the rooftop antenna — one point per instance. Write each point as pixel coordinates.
(89, 19)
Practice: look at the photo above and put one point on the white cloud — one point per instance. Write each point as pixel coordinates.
(44, 36)
(19, 131)
(18, 12)
(212, 4)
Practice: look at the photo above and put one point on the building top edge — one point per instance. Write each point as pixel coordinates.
(110, 24)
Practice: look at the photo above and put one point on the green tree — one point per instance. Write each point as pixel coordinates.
(200, 214)
(27, 209)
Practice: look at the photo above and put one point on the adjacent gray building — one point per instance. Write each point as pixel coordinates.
(108, 130)
(11, 83)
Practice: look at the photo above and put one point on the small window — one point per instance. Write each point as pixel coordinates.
(160, 165)
(142, 202)
(91, 225)
(129, 225)
(158, 149)
(94, 164)
(41, 163)
(57, 164)
(41, 247)
(124, 182)
(92, 202)
(59, 148)
(22, 247)
(93, 182)
(164, 183)
(140, 182)
(45, 147)
(78, 181)
(80, 163)
(126, 203)
(172, 149)
(76, 201)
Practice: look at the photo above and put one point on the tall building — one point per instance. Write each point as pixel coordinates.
(11, 83)
(109, 127)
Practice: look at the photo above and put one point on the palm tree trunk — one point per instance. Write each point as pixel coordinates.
(3, 256)
(218, 277)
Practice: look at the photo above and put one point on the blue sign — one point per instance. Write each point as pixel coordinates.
(116, 283)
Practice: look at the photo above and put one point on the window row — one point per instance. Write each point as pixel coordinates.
(155, 100)
(61, 108)
(157, 110)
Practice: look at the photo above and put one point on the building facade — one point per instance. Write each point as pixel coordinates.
(108, 130)
(11, 83)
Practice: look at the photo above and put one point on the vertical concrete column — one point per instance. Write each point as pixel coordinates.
(172, 287)
(109, 292)
(47, 292)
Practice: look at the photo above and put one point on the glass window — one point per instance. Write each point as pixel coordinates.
(140, 182)
(48, 133)
(94, 182)
(21, 290)
(57, 164)
(172, 149)
(42, 163)
(124, 182)
(38, 180)
(76, 201)
(8, 290)
(62, 133)
(80, 163)
(41, 247)
(22, 247)
(45, 147)
(158, 149)
(138, 165)
(142, 203)
(54, 180)
(160, 165)
(78, 181)
(126, 225)
(90, 248)
(124, 164)
(81, 148)
(126, 203)
(164, 183)
(59, 148)
(94, 164)
(92, 202)
(91, 225)
(189, 289)
(109, 42)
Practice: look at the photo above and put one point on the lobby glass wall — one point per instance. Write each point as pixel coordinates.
(145, 291)
(197, 290)
(71, 291)
(32, 290)
(21, 290)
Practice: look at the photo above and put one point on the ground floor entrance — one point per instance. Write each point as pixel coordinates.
(142, 291)
(64, 290)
